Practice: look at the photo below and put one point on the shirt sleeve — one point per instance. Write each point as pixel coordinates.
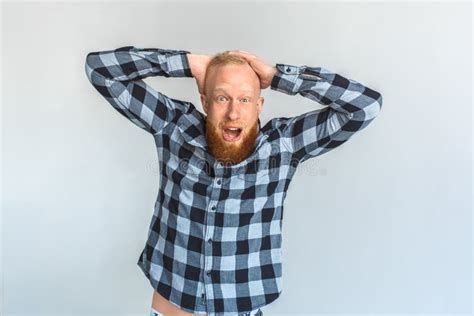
(351, 106)
(117, 75)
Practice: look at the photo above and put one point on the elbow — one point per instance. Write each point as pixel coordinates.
(374, 107)
(369, 104)
(379, 102)
(373, 110)
(370, 111)
(87, 67)
(90, 69)
(89, 73)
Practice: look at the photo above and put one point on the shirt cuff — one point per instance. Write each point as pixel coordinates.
(289, 78)
(178, 64)
(285, 79)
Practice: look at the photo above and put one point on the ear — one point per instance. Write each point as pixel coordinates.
(204, 102)
(260, 102)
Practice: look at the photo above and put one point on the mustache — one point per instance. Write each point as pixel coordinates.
(233, 124)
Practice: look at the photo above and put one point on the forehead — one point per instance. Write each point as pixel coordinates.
(227, 89)
(240, 78)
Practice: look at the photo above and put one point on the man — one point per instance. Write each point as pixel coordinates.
(214, 241)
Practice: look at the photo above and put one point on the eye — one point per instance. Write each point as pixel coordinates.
(221, 98)
(246, 99)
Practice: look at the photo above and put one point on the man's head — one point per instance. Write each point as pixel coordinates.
(231, 99)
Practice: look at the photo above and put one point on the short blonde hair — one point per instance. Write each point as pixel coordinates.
(223, 58)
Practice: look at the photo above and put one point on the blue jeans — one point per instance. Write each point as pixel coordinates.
(255, 312)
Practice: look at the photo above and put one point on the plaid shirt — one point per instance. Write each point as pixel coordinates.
(214, 241)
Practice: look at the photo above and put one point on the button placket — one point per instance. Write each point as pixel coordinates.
(209, 228)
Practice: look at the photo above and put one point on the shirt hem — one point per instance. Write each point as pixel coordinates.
(154, 282)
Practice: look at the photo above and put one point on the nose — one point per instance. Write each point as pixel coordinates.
(233, 112)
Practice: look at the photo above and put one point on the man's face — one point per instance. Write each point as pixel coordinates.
(232, 103)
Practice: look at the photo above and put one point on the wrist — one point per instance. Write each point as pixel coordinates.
(273, 72)
(192, 63)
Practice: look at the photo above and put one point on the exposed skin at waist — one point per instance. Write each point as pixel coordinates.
(163, 306)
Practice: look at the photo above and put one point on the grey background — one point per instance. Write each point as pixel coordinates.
(381, 224)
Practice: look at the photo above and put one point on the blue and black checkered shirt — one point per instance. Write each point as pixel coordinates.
(214, 241)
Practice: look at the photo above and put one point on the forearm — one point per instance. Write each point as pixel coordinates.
(351, 107)
(328, 88)
(131, 63)
(116, 75)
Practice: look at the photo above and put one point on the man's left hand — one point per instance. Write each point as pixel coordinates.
(264, 71)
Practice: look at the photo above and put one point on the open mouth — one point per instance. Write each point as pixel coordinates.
(232, 134)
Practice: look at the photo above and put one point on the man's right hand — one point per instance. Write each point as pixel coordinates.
(198, 65)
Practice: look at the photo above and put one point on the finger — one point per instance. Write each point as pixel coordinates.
(237, 52)
(248, 54)
(243, 53)
(246, 57)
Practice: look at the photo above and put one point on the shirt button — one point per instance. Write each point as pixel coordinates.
(208, 272)
(209, 240)
(219, 181)
(288, 69)
(213, 208)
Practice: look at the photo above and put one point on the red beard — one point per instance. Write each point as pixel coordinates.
(230, 152)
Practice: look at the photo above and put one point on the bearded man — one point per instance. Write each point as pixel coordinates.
(214, 241)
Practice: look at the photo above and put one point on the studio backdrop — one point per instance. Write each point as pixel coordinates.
(381, 224)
